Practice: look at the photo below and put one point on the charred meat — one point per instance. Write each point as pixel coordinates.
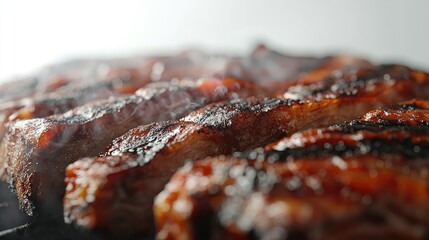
(365, 179)
(117, 187)
(38, 150)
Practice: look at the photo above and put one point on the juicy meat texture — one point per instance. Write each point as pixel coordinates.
(116, 83)
(38, 150)
(114, 191)
(190, 65)
(125, 76)
(271, 69)
(64, 99)
(264, 66)
(401, 128)
(354, 197)
(364, 179)
(59, 102)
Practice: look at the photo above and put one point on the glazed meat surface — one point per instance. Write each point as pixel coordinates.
(64, 99)
(114, 191)
(399, 128)
(364, 179)
(190, 65)
(38, 150)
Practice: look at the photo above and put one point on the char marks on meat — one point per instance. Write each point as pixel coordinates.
(120, 183)
(80, 129)
(38, 150)
(115, 83)
(64, 99)
(400, 128)
(352, 179)
(341, 182)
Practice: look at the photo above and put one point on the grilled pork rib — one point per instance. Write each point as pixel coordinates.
(64, 99)
(399, 128)
(366, 179)
(116, 82)
(38, 150)
(190, 65)
(114, 191)
(263, 66)
(59, 102)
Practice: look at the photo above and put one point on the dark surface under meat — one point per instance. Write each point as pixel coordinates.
(114, 191)
(38, 150)
(365, 179)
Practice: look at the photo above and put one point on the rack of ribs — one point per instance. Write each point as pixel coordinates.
(38, 150)
(75, 84)
(65, 98)
(364, 179)
(52, 78)
(77, 133)
(116, 82)
(125, 76)
(115, 190)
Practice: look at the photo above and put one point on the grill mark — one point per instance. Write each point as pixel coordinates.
(382, 125)
(155, 133)
(376, 134)
(86, 130)
(406, 147)
(350, 82)
(219, 115)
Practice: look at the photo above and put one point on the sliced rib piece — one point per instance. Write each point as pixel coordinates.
(398, 128)
(353, 197)
(38, 150)
(366, 179)
(189, 65)
(127, 75)
(66, 98)
(114, 191)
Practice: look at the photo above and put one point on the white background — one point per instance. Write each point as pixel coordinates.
(36, 33)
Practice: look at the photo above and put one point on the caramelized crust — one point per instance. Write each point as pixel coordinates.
(364, 179)
(330, 197)
(144, 158)
(402, 128)
(38, 150)
(268, 68)
(64, 99)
